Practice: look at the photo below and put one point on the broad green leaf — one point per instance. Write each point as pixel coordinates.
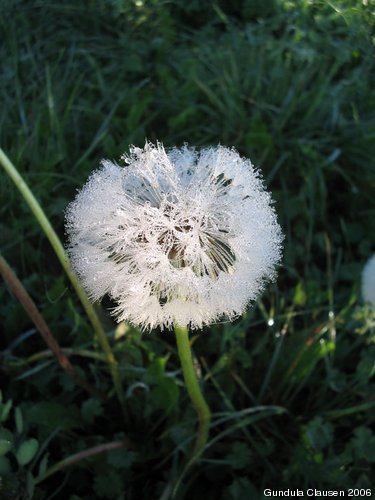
(363, 444)
(6, 440)
(240, 489)
(120, 458)
(5, 409)
(27, 451)
(318, 434)
(299, 298)
(55, 415)
(165, 393)
(43, 465)
(240, 456)
(5, 446)
(91, 408)
(5, 467)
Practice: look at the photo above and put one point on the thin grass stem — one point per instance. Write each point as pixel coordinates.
(36, 317)
(56, 244)
(82, 455)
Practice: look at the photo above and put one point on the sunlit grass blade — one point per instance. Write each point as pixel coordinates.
(56, 244)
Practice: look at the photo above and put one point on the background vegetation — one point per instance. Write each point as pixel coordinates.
(290, 84)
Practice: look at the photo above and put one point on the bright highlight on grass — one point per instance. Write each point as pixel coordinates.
(368, 281)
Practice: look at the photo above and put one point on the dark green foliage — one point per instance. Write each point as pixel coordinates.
(291, 384)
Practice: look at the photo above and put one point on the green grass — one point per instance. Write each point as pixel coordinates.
(291, 384)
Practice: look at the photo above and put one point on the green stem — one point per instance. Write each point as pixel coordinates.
(192, 386)
(56, 244)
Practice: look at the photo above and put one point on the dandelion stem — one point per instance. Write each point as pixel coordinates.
(56, 244)
(192, 386)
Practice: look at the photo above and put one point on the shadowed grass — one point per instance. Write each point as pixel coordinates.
(290, 85)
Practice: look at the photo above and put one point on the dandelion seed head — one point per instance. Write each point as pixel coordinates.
(368, 281)
(179, 236)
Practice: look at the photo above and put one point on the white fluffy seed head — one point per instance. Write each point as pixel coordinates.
(179, 236)
(368, 282)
